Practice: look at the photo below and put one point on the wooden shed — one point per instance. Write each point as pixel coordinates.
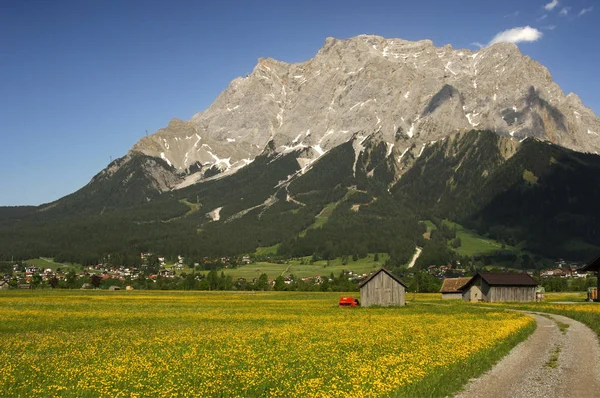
(451, 288)
(494, 288)
(593, 266)
(382, 288)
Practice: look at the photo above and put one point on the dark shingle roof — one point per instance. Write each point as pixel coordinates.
(593, 265)
(453, 285)
(504, 280)
(377, 272)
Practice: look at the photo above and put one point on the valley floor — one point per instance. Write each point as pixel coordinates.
(98, 343)
(141, 343)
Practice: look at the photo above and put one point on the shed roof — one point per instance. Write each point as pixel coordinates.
(377, 272)
(503, 280)
(593, 265)
(453, 285)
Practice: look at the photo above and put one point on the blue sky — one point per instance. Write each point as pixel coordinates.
(83, 80)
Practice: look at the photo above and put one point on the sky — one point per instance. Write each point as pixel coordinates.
(82, 81)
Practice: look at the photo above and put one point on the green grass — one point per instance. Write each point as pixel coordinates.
(194, 208)
(573, 297)
(471, 242)
(590, 318)
(267, 250)
(561, 325)
(361, 266)
(553, 361)
(321, 218)
(430, 226)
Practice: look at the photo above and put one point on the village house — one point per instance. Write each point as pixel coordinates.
(593, 266)
(451, 288)
(383, 289)
(494, 288)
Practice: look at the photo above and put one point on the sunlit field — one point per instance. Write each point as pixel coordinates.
(588, 313)
(230, 344)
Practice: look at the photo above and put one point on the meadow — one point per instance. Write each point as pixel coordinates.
(471, 242)
(92, 343)
(302, 267)
(571, 305)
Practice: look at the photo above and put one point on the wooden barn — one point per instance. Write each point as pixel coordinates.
(593, 266)
(451, 288)
(494, 288)
(382, 288)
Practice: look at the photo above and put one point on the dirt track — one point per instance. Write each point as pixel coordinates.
(529, 371)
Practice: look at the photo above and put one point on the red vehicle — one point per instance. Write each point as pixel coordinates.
(349, 302)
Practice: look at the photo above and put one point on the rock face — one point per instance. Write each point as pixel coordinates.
(409, 93)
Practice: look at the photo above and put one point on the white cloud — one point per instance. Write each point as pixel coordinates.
(514, 14)
(517, 35)
(585, 11)
(550, 6)
(564, 11)
(478, 44)
(549, 27)
(542, 17)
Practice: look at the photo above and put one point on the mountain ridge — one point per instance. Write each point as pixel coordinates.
(409, 91)
(381, 133)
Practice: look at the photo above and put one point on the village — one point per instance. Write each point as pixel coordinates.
(155, 273)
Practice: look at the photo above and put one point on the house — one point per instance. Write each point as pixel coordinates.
(593, 266)
(382, 288)
(493, 288)
(451, 288)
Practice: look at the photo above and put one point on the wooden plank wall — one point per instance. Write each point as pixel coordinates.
(511, 293)
(451, 296)
(382, 290)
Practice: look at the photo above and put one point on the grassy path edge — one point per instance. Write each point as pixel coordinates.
(590, 319)
(450, 380)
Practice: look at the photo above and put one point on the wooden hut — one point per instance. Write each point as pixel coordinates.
(593, 266)
(451, 288)
(493, 288)
(382, 288)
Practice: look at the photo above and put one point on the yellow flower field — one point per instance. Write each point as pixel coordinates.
(227, 344)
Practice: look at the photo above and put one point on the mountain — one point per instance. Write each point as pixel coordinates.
(342, 155)
(412, 93)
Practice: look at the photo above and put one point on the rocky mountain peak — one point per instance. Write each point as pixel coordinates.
(410, 93)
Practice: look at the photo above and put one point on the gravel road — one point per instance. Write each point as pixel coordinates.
(530, 371)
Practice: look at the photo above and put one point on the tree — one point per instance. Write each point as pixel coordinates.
(189, 283)
(212, 279)
(262, 283)
(376, 257)
(13, 282)
(423, 282)
(36, 281)
(71, 280)
(279, 284)
(95, 281)
(53, 282)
